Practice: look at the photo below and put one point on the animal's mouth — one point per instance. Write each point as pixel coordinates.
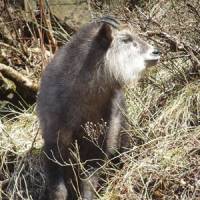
(152, 62)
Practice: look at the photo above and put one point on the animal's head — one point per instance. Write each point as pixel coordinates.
(127, 55)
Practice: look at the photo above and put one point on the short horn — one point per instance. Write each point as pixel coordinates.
(110, 20)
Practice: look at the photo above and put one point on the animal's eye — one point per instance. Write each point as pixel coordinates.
(135, 44)
(127, 39)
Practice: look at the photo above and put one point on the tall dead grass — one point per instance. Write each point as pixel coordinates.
(163, 111)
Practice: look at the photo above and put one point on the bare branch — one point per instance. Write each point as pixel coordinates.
(15, 76)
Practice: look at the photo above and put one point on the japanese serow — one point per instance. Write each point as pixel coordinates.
(84, 84)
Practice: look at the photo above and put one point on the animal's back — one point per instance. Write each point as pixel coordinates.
(71, 93)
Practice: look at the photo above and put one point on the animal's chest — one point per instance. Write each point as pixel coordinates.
(95, 111)
(92, 103)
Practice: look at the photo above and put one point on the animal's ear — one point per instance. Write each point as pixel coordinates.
(105, 34)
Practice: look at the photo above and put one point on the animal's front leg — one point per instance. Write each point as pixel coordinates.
(56, 154)
(115, 123)
(89, 185)
(56, 189)
(118, 139)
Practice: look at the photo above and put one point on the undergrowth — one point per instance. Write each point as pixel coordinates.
(163, 111)
(162, 164)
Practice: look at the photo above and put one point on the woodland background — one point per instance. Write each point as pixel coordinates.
(163, 109)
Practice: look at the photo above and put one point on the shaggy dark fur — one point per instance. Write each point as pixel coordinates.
(75, 90)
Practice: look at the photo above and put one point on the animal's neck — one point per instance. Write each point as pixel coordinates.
(98, 87)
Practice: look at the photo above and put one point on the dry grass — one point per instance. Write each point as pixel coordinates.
(163, 111)
(166, 164)
(163, 163)
(21, 176)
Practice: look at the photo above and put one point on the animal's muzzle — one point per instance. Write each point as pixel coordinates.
(156, 52)
(153, 58)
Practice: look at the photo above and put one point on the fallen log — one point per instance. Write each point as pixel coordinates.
(26, 89)
(18, 78)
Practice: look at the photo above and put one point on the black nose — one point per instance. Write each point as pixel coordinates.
(156, 52)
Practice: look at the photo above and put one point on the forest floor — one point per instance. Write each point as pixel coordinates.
(163, 109)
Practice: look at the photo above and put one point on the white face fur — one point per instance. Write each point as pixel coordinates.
(128, 56)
